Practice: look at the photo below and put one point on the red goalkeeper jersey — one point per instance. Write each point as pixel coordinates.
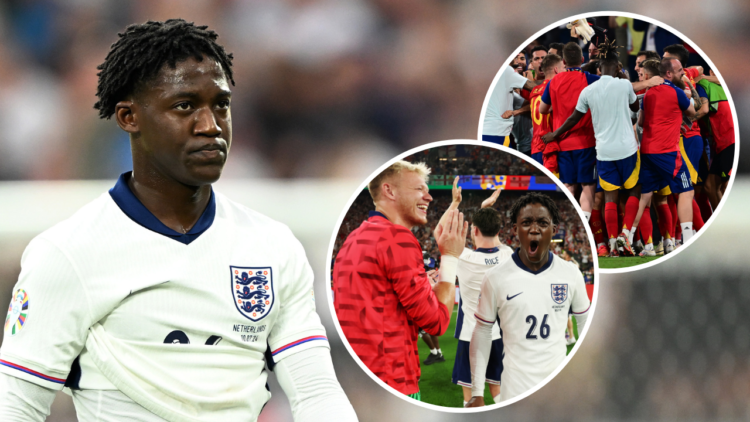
(382, 298)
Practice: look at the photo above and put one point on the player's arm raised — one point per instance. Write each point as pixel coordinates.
(641, 85)
(451, 240)
(455, 203)
(491, 200)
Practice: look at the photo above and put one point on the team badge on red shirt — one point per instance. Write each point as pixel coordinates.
(252, 290)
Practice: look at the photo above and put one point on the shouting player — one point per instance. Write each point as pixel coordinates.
(159, 300)
(529, 294)
(383, 294)
(472, 266)
(611, 100)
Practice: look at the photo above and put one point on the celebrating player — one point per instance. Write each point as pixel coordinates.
(530, 295)
(611, 100)
(497, 128)
(158, 300)
(382, 291)
(662, 163)
(472, 265)
(546, 154)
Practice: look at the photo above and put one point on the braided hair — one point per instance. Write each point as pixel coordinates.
(535, 198)
(608, 52)
(142, 51)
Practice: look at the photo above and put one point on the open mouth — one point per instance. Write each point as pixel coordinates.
(533, 247)
(423, 208)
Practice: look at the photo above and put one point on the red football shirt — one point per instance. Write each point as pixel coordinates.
(562, 94)
(541, 123)
(722, 126)
(383, 297)
(694, 129)
(662, 117)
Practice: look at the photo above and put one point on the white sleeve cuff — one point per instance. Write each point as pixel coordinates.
(448, 268)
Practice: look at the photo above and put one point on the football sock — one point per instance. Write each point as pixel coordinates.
(610, 219)
(687, 232)
(434, 351)
(631, 210)
(595, 222)
(645, 226)
(697, 218)
(587, 215)
(465, 402)
(496, 398)
(665, 220)
(704, 205)
(673, 210)
(440, 352)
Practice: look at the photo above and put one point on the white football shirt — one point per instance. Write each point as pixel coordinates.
(472, 265)
(501, 100)
(112, 299)
(609, 99)
(532, 308)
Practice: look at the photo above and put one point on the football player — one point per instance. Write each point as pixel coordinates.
(529, 294)
(162, 299)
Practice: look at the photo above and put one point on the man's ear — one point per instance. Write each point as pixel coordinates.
(387, 189)
(513, 230)
(127, 117)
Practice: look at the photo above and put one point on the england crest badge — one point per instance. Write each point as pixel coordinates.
(559, 292)
(252, 290)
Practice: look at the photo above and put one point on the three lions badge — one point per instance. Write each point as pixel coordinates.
(252, 289)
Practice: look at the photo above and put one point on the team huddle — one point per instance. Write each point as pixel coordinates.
(665, 141)
(514, 305)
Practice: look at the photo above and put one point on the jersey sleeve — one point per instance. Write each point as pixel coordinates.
(487, 305)
(48, 318)
(546, 96)
(682, 99)
(701, 91)
(590, 79)
(297, 327)
(583, 102)
(517, 80)
(410, 283)
(631, 94)
(580, 304)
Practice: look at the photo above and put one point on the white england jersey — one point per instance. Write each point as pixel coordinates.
(501, 100)
(533, 311)
(112, 299)
(472, 265)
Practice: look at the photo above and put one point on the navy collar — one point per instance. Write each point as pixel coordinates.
(133, 208)
(488, 250)
(668, 82)
(521, 265)
(376, 214)
(577, 69)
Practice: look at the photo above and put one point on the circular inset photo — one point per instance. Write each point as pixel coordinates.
(635, 121)
(462, 275)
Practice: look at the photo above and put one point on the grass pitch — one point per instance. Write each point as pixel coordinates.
(435, 384)
(624, 261)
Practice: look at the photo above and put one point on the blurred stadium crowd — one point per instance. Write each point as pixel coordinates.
(574, 241)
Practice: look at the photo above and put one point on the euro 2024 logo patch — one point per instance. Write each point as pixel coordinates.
(559, 292)
(252, 290)
(17, 312)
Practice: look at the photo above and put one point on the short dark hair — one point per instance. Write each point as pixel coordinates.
(487, 220)
(549, 61)
(652, 66)
(679, 51)
(535, 198)
(572, 54)
(650, 54)
(539, 48)
(142, 51)
(557, 46)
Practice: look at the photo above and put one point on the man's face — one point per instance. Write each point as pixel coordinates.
(536, 59)
(641, 76)
(534, 229)
(593, 51)
(184, 123)
(519, 60)
(676, 74)
(638, 60)
(412, 198)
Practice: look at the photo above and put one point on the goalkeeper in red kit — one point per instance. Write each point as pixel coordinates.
(383, 294)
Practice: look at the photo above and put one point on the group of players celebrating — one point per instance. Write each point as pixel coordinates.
(383, 295)
(667, 139)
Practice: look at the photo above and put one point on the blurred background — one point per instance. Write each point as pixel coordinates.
(329, 90)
